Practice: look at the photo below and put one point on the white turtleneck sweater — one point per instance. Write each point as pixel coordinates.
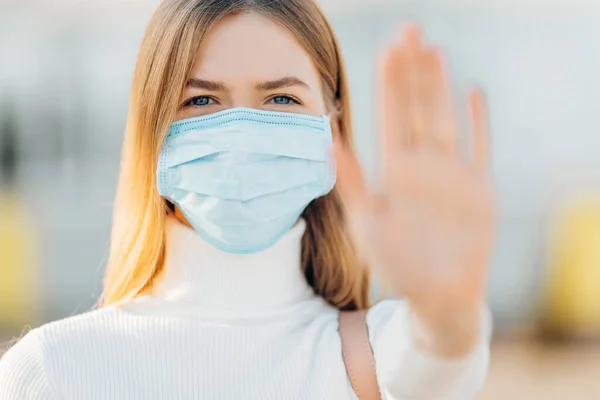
(223, 326)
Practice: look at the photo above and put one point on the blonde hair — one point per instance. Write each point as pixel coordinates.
(166, 57)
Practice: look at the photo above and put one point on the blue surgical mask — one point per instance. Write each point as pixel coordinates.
(242, 177)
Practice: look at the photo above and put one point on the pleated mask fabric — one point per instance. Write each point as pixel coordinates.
(242, 177)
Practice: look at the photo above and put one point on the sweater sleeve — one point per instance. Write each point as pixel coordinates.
(22, 371)
(406, 372)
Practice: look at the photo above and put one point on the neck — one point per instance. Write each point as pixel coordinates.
(201, 276)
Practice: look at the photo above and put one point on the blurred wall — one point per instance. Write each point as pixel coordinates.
(67, 65)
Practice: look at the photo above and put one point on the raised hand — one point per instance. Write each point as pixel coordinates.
(428, 225)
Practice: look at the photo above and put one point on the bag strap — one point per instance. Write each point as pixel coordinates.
(358, 354)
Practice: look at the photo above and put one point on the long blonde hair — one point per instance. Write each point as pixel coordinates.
(166, 57)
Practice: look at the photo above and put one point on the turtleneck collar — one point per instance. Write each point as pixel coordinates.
(198, 276)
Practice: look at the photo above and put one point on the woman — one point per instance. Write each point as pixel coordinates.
(231, 254)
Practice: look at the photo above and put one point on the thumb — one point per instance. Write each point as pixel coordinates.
(357, 200)
(350, 179)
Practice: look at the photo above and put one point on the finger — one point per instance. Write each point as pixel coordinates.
(423, 98)
(481, 138)
(411, 50)
(411, 36)
(350, 179)
(445, 124)
(394, 89)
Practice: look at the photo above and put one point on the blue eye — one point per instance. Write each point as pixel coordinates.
(199, 101)
(284, 100)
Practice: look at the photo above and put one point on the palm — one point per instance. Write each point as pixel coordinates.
(429, 226)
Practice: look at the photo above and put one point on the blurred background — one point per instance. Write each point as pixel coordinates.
(65, 72)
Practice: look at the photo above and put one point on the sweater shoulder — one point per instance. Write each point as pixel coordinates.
(27, 368)
(89, 320)
(68, 332)
(24, 370)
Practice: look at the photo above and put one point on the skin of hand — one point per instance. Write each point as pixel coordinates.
(429, 225)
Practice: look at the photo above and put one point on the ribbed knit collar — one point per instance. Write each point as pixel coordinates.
(196, 274)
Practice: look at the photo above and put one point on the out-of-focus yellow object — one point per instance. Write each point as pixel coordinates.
(572, 301)
(18, 291)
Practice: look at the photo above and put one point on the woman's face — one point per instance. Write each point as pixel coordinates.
(247, 60)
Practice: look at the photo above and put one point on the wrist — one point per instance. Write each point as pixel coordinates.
(453, 335)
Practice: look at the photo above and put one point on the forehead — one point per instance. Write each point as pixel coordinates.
(251, 46)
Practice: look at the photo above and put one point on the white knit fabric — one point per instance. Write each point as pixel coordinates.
(223, 326)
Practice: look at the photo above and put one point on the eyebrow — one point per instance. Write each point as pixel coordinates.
(213, 86)
(281, 83)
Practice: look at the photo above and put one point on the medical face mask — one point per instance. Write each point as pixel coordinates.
(242, 177)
